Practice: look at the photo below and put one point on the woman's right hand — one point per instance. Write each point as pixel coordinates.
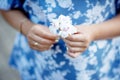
(40, 38)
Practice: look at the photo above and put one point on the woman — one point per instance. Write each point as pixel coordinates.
(93, 53)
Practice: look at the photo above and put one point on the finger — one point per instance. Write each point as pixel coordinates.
(45, 33)
(74, 55)
(75, 44)
(35, 48)
(33, 37)
(76, 37)
(76, 49)
(39, 47)
(32, 43)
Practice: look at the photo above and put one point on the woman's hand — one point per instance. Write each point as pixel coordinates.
(40, 38)
(79, 42)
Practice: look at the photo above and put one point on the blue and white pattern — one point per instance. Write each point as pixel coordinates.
(101, 61)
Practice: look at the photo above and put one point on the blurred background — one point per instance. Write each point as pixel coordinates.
(7, 36)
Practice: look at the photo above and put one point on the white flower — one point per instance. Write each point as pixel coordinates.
(53, 30)
(63, 34)
(65, 20)
(55, 23)
(62, 26)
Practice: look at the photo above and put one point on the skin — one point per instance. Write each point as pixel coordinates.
(80, 41)
(33, 32)
(76, 43)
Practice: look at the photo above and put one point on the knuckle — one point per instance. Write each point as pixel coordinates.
(73, 38)
(70, 43)
(83, 49)
(29, 35)
(71, 49)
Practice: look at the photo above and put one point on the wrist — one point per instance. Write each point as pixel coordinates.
(96, 31)
(21, 25)
(25, 26)
(88, 31)
(92, 32)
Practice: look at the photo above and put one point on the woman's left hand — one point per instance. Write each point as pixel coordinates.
(79, 42)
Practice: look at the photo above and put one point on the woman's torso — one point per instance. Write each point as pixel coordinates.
(99, 62)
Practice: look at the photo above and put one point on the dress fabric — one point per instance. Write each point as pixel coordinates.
(101, 61)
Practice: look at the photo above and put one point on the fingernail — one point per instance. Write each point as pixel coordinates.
(56, 40)
(51, 46)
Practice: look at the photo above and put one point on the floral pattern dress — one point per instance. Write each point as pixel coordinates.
(101, 61)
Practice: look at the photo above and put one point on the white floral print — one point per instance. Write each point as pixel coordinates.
(101, 61)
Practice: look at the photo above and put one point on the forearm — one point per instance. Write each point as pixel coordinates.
(107, 29)
(14, 18)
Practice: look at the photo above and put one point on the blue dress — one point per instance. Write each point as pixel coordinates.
(101, 61)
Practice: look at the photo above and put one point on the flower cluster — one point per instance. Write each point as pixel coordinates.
(62, 26)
